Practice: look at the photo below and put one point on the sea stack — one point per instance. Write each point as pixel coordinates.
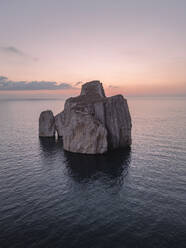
(92, 123)
(46, 124)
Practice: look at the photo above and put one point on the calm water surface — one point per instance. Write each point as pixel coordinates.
(133, 198)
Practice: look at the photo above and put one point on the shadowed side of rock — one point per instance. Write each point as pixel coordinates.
(117, 122)
(59, 124)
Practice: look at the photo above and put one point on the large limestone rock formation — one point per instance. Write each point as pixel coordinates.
(46, 124)
(93, 123)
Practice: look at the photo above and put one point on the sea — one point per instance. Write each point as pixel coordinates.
(132, 198)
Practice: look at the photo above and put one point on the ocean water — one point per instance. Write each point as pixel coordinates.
(127, 198)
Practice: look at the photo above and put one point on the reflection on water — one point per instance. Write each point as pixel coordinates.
(50, 146)
(113, 165)
(82, 167)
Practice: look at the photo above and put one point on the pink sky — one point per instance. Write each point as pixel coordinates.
(133, 48)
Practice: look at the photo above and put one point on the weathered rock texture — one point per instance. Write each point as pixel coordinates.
(59, 123)
(93, 123)
(84, 134)
(46, 124)
(92, 88)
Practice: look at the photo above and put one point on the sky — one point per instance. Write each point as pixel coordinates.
(135, 47)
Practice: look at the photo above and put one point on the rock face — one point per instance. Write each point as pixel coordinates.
(117, 121)
(92, 123)
(59, 123)
(84, 134)
(46, 124)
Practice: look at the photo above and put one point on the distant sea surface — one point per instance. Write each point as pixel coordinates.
(128, 198)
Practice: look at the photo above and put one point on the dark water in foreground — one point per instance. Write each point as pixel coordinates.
(134, 198)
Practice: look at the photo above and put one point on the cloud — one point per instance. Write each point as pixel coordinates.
(13, 51)
(6, 84)
(78, 83)
(2, 78)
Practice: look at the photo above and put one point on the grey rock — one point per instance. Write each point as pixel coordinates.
(59, 123)
(110, 113)
(92, 88)
(117, 121)
(84, 134)
(46, 124)
(92, 123)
